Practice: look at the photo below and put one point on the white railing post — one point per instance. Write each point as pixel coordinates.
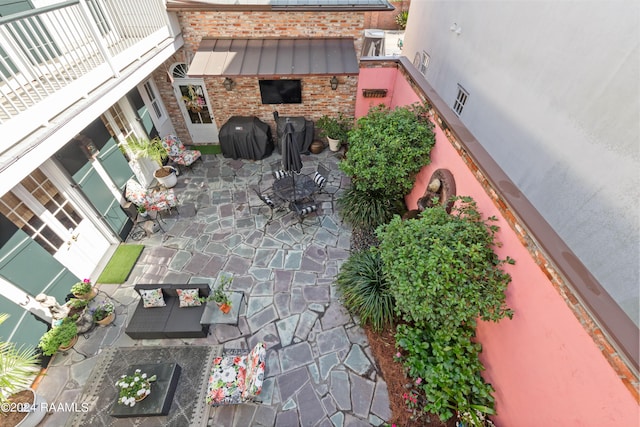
(86, 14)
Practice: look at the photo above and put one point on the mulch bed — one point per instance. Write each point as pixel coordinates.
(383, 348)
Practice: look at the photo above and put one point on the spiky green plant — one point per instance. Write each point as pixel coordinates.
(365, 210)
(365, 291)
(18, 367)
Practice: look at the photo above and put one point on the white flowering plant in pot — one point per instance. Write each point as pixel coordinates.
(134, 388)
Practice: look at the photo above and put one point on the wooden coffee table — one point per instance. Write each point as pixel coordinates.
(162, 391)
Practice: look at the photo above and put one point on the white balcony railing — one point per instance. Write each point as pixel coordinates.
(52, 57)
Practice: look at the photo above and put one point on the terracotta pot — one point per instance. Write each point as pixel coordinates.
(90, 295)
(317, 147)
(71, 344)
(107, 320)
(225, 308)
(144, 396)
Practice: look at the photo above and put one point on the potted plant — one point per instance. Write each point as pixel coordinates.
(83, 290)
(220, 295)
(76, 305)
(142, 210)
(167, 176)
(145, 157)
(79, 314)
(134, 388)
(104, 313)
(149, 148)
(19, 368)
(60, 337)
(335, 129)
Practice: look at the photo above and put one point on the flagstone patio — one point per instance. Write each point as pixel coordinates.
(320, 370)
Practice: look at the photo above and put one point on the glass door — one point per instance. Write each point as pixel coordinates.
(48, 216)
(195, 106)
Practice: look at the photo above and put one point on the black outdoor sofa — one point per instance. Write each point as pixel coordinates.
(170, 321)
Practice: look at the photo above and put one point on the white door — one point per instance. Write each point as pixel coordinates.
(155, 108)
(47, 213)
(195, 106)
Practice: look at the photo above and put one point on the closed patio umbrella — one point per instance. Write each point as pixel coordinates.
(291, 161)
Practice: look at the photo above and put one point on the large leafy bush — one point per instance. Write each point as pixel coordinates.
(387, 148)
(449, 368)
(444, 275)
(443, 268)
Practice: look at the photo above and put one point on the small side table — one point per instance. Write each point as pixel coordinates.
(162, 391)
(213, 315)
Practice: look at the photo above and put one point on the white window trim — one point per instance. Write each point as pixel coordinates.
(462, 96)
(153, 103)
(424, 63)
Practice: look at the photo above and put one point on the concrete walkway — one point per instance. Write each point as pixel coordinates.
(320, 371)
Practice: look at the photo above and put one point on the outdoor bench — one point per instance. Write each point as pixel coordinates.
(170, 320)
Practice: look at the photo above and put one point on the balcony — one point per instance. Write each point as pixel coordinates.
(56, 60)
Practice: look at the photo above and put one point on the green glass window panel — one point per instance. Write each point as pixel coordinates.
(20, 254)
(115, 163)
(100, 197)
(21, 326)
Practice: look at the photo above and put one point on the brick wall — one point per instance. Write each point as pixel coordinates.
(386, 20)
(244, 99)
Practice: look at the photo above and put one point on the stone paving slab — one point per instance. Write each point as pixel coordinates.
(319, 366)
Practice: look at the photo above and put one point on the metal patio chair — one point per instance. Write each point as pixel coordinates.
(303, 209)
(274, 203)
(321, 177)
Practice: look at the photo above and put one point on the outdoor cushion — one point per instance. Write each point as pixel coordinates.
(279, 174)
(188, 297)
(319, 180)
(235, 379)
(255, 371)
(226, 380)
(152, 200)
(152, 298)
(177, 151)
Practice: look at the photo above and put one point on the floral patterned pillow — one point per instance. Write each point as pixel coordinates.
(255, 371)
(188, 297)
(152, 298)
(226, 380)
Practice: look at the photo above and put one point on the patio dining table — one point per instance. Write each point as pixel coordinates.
(294, 188)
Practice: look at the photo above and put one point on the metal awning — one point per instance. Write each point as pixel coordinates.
(274, 57)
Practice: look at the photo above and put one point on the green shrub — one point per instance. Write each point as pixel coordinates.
(387, 148)
(444, 275)
(449, 368)
(77, 303)
(57, 336)
(334, 128)
(443, 269)
(81, 288)
(401, 19)
(366, 210)
(365, 292)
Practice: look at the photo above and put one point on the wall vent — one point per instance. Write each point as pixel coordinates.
(374, 93)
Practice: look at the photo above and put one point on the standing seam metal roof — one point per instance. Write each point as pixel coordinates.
(274, 57)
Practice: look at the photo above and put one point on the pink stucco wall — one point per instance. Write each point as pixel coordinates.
(545, 368)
